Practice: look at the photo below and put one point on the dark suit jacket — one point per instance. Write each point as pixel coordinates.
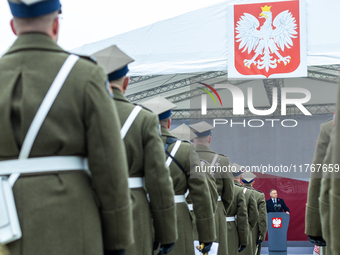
(281, 206)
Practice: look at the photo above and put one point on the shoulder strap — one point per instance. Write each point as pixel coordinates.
(173, 152)
(43, 110)
(244, 190)
(202, 163)
(171, 140)
(213, 162)
(133, 115)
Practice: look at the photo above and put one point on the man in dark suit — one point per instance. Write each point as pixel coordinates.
(275, 204)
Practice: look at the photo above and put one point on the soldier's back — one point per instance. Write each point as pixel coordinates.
(181, 169)
(260, 229)
(237, 222)
(145, 155)
(82, 122)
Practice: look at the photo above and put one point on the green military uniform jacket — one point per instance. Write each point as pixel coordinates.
(324, 200)
(260, 229)
(213, 194)
(237, 230)
(333, 183)
(313, 220)
(225, 188)
(145, 155)
(253, 215)
(199, 194)
(213, 190)
(64, 212)
(211, 183)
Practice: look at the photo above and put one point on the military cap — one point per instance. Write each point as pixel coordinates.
(237, 169)
(161, 106)
(33, 8)
(183, 132)
(202, 129)
(114, 60)
(248, 177)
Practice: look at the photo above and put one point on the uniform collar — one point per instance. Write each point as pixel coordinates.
(118, 95)
(29, 41)
(247, 185)
(166, 132)
(200, 147)
(237, 183)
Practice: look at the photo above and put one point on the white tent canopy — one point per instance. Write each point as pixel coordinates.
(197, 41)
(174, 55)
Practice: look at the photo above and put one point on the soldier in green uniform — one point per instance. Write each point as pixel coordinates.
(324, 199)
(62, 212)
(313, 226)
(260, 229)
(224, 180)
(183, 132)
(237, 222)
(252, 211)
(183, 160)
(334, 193)
(144, 149)
(330, 193)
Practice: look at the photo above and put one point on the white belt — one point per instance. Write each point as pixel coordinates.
(230, 218)
(43, 164)
(191, 207)
(136, 182)
(219, 198)
(180, 199)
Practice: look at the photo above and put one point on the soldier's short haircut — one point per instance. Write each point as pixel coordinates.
(270, 192)
(164, 122)
(202, 140)
(118, 81)
(37, 24)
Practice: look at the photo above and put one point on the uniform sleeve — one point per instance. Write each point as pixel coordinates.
(228, 185)
(159, 185)
(253, 213)
(335, 185)
(312, 219)
(334, 212)
(262, 221)
(324, 199)
(242, 219)
(201, 199)
(213, 191)
(108, 164)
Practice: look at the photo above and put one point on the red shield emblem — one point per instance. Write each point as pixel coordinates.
(277, 222)
(266, 38)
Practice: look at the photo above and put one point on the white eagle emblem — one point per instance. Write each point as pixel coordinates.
(267, 40)
(276, 222)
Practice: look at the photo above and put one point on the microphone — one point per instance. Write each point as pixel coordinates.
(277, 207)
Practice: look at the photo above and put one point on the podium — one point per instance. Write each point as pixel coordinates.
(278, 223)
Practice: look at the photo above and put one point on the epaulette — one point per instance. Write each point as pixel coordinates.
(145, 108)
(89, 58)
(259, 191)
(186, 141)
(206, 162)
(331, 119)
